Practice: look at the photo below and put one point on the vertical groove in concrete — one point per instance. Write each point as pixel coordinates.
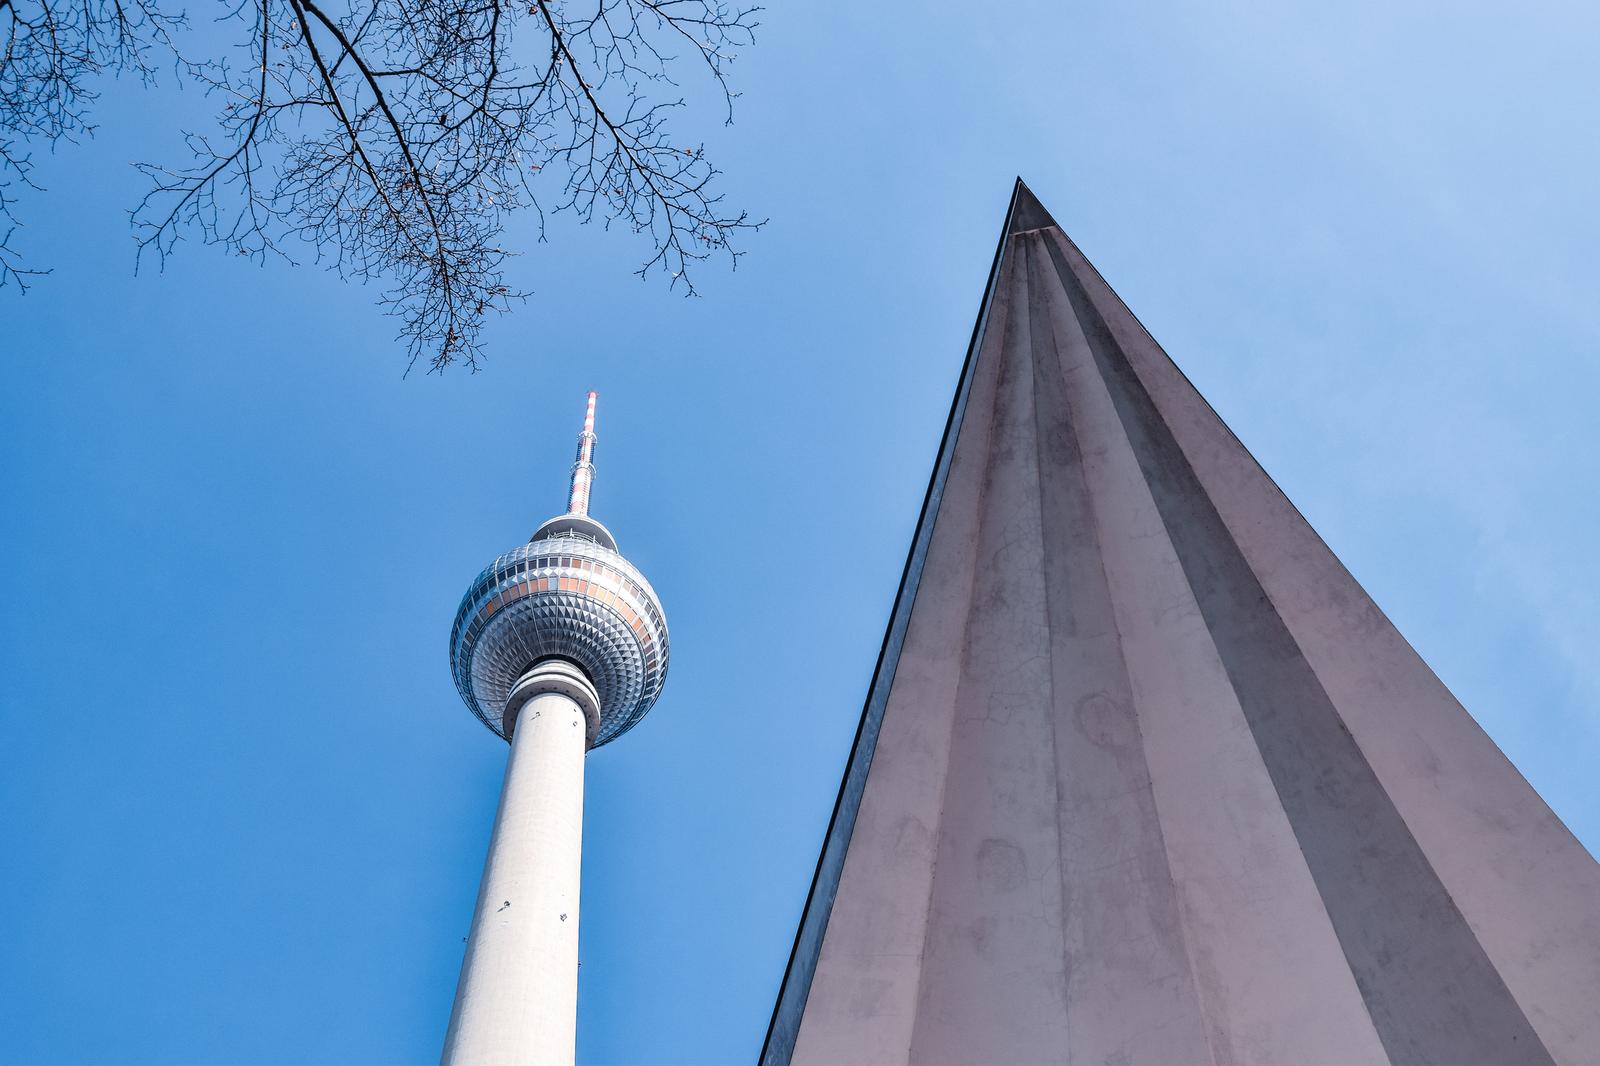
(1126, 960)
(1144, 777)
(1480, 825)
(1271, 978)
(992, 981)
(1400, 930)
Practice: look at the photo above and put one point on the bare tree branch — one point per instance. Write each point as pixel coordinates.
(50, 55)
(391, 140)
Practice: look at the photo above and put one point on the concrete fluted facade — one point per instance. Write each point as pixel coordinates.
(1145, 776)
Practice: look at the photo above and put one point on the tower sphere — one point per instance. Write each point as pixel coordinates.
(566, 594)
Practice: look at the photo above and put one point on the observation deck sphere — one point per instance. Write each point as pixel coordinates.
(567, 594)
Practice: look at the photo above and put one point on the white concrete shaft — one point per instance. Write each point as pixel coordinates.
(517, 1000)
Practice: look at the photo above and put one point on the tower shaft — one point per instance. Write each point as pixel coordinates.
(517, 999)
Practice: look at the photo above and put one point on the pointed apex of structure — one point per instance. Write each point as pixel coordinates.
(1026, 210)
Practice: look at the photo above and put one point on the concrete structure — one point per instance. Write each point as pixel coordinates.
(1144, 776)
(558, 646)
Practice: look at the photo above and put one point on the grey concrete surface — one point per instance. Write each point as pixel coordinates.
(1144, 776)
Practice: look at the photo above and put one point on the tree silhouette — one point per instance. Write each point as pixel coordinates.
(391, 140)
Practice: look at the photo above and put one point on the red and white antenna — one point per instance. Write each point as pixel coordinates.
(583, 469)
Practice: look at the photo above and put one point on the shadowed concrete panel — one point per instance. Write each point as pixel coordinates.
(1401, 932)
(1268, 968)
(1512, 869)
(1125, 959)
(1143, 776)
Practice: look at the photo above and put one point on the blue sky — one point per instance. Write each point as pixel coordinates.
(242, 809)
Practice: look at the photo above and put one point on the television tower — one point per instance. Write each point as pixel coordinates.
(559, 646)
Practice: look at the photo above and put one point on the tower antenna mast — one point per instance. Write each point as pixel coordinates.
(583, 468)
